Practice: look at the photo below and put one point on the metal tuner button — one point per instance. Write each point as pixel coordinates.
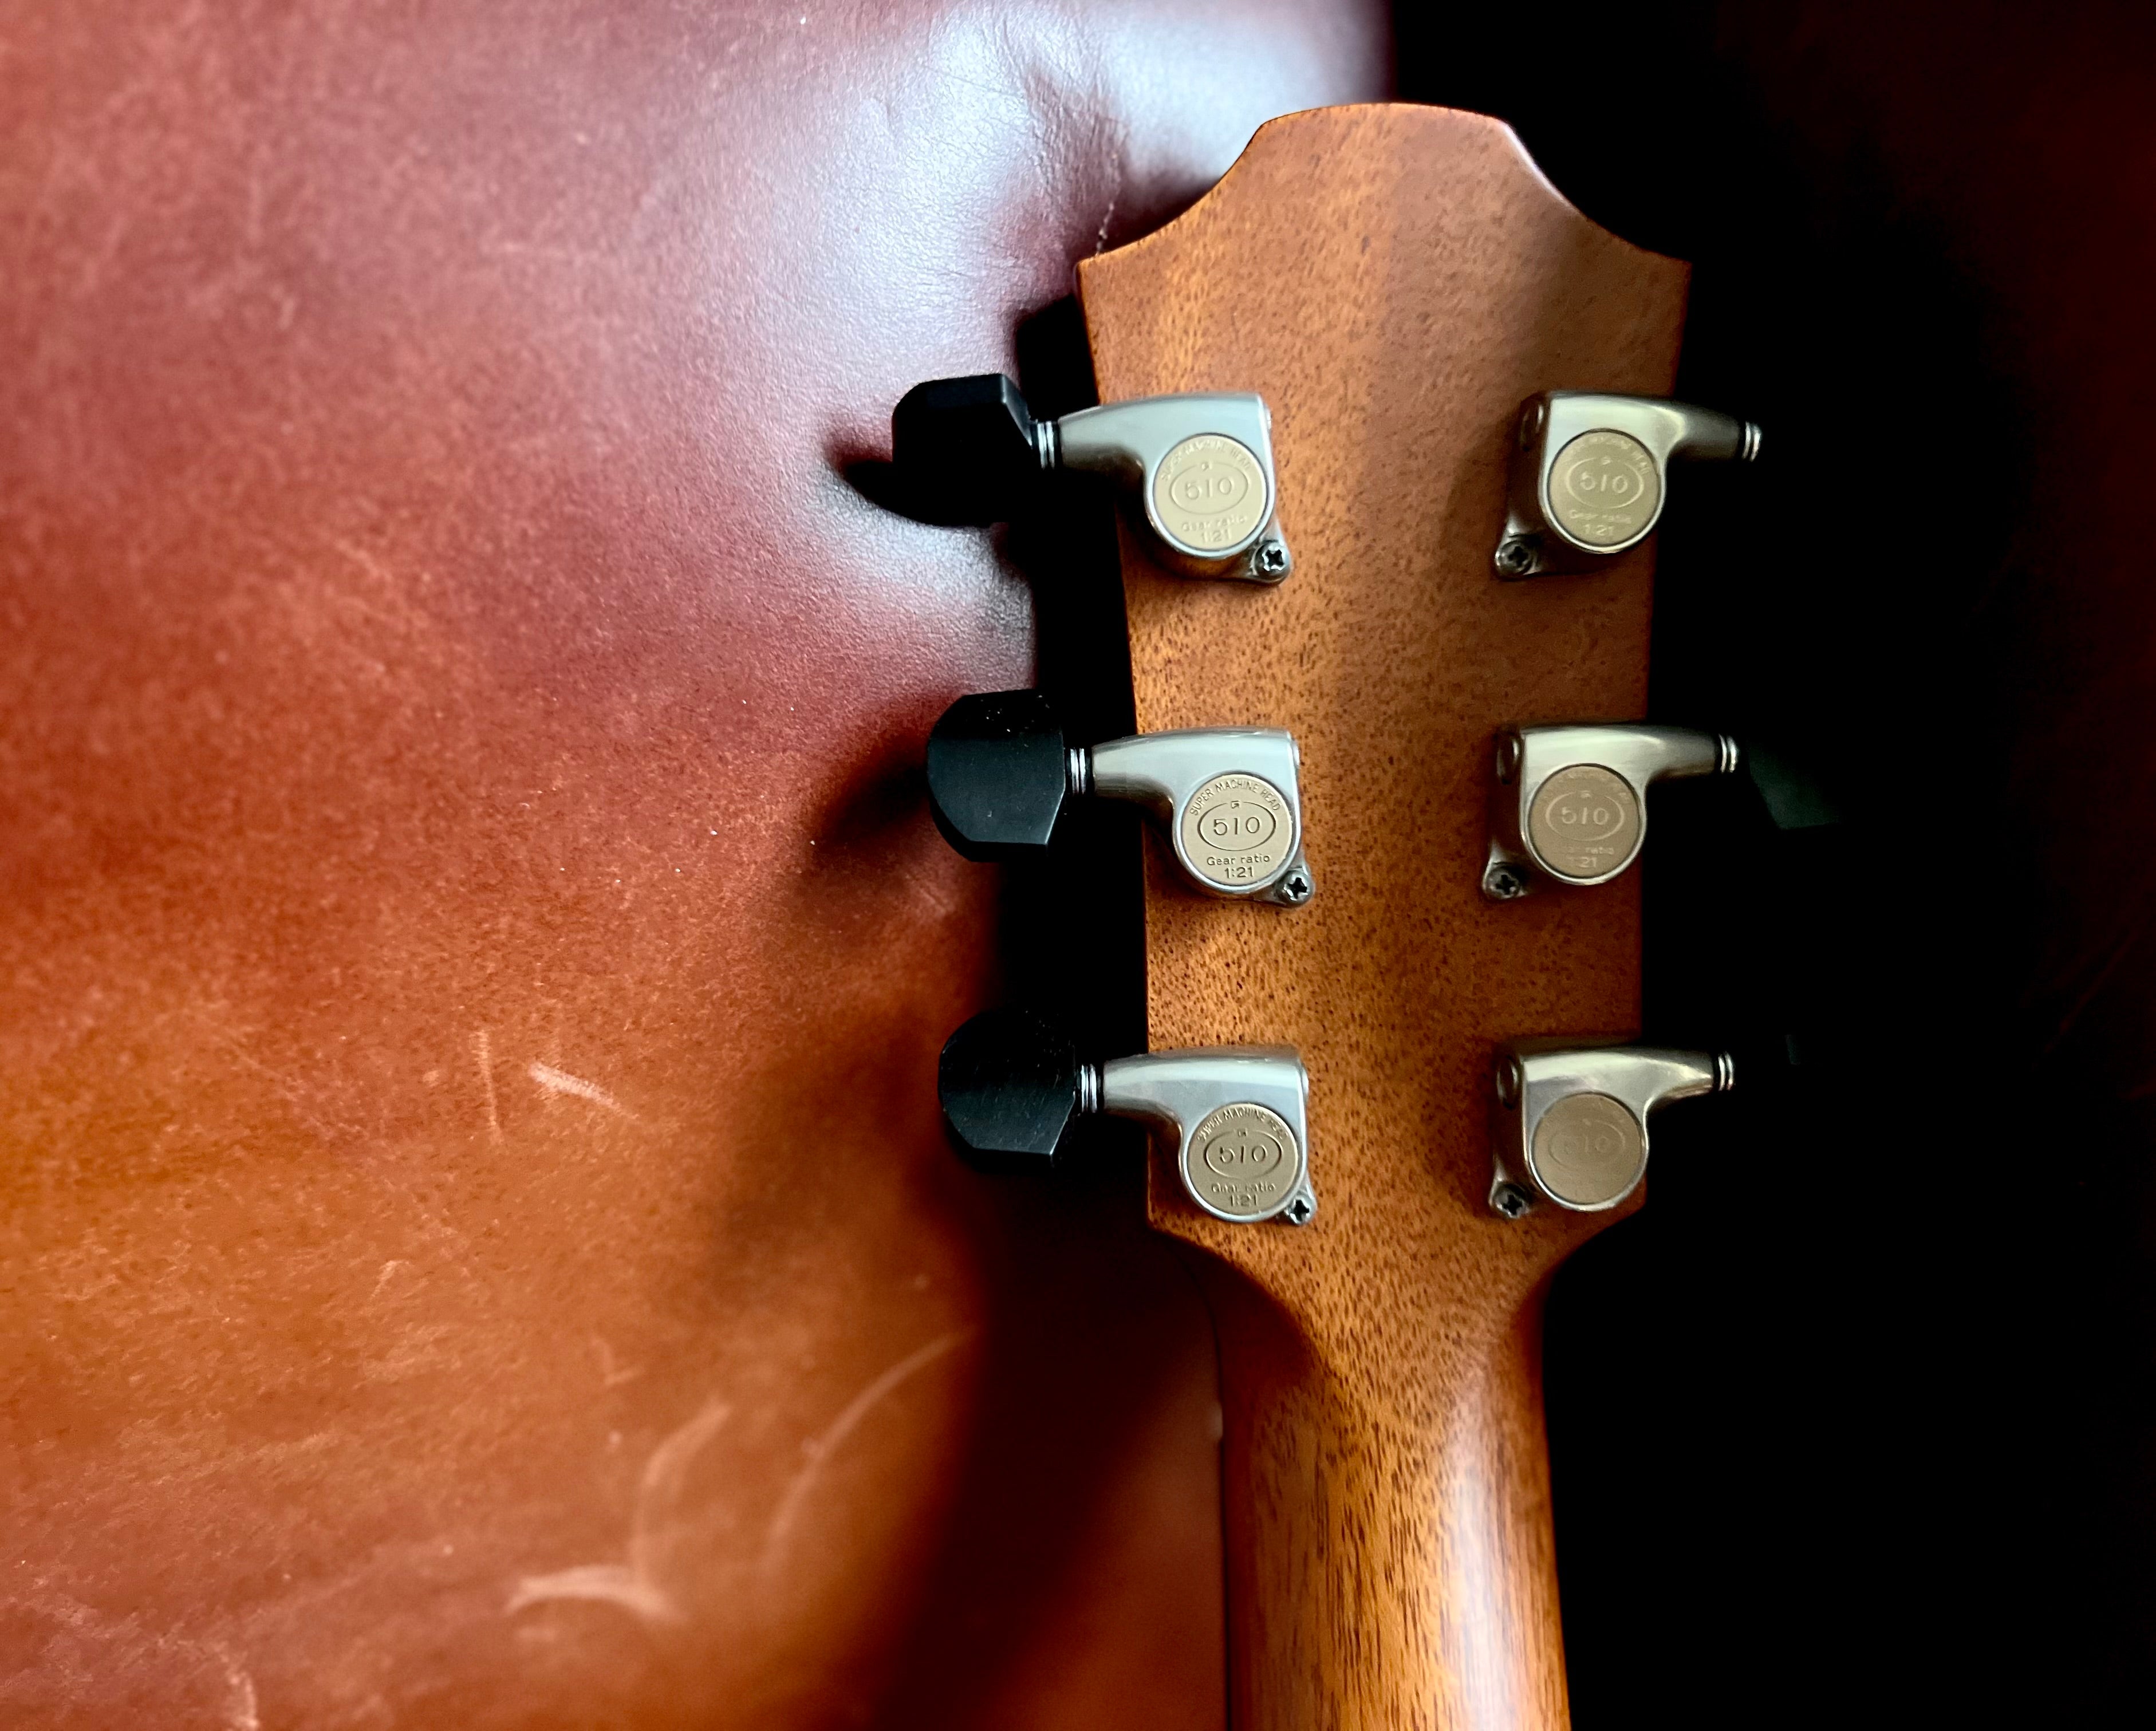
(1569, 1124)
(1198, 467)
(1012, 1084)
(1590, 474)
(1000, 771)
(1569, 803)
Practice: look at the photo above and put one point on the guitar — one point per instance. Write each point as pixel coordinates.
(1389, 1104)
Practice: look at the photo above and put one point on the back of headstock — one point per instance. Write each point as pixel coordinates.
(1395, 282)
(1392, 284)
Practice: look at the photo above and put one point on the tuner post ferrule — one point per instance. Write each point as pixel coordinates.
(1000, 771)
(1590, 474)
(1569, 1118)
(1228, 799)
(1011, 1083)
(1239, 1116)
(1569, 802)
(1199, 467)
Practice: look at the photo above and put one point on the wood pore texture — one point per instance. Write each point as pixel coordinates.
(1395, 280)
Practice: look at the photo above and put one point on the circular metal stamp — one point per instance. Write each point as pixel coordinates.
(1589, 1151)
(1604, 489)
(1237, 832)
(1241, 1163)
(1585, 822)
(1209, 494)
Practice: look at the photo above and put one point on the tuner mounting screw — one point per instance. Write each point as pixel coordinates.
(1269, 561)
(1510, 1201)
(1297, 888)
(1504, 883)
(1301, 1211)
(1515, 557)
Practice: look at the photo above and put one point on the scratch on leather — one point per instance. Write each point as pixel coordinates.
(638, 1586)
(560, 1081)
(820, 1448)
(483, 1055)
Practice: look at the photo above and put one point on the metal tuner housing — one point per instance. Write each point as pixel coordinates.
(1569, 803)
(1590, 474)
(1569, 1123)
(1011, 1084)
(1000, 773)
(1198, 466)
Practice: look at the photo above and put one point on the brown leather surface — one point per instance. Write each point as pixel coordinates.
(477, 1244)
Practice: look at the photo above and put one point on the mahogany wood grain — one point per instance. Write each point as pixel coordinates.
(1395, 280)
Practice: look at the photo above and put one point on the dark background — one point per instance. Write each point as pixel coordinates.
(1854, 1422)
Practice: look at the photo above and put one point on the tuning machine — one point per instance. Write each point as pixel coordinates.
(999, 773)
(1012, 1084)
(1569, 1125)
(1198, 466)
(1569, 804)
(1590, 474)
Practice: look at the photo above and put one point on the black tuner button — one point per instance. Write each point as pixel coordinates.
(998, 774)
(1010, 1084)
(966, 449)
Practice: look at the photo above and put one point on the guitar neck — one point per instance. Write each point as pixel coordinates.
(1386, 1568)
(1394, 281)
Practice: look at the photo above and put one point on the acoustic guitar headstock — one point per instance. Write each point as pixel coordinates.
(1393, 920)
